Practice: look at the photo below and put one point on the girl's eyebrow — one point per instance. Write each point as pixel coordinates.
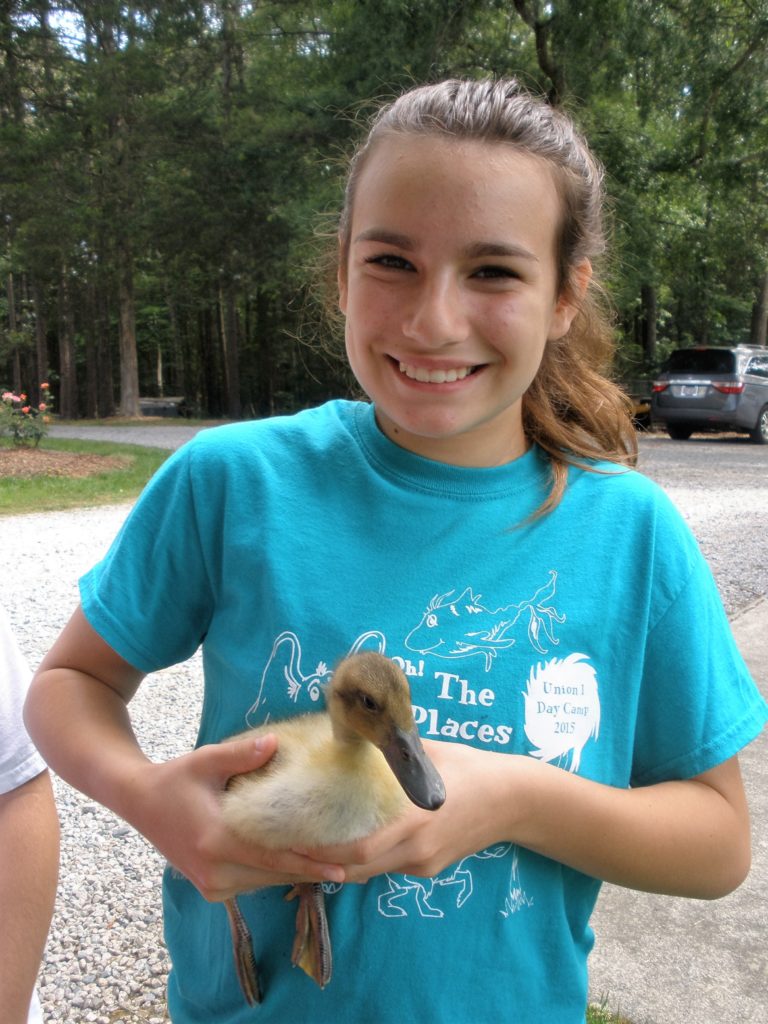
(475, 251)
(386, 237)
(479, 249)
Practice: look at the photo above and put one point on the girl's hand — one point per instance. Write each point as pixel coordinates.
(475, 815)
(687, 837)
(176, 805)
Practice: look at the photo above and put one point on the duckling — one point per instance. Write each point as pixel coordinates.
(336, 777)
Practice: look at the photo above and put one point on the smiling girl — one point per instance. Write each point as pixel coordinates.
(569, 659)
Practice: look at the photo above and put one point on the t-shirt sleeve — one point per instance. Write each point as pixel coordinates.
(19, 759)
(151, 597)
(698, 705)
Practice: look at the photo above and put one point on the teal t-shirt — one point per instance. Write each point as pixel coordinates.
(592, 638)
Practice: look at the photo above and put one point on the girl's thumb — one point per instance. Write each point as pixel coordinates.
(245, 755)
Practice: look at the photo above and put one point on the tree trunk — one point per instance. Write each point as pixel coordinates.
(231, 349)
(91, 353)
(758, 333)
(129, 363)
(540, 20)
(265, 368)
(648, 322)
(67, 368)
(176, 376)
(210, 376)
(10, 293)
(41, 336)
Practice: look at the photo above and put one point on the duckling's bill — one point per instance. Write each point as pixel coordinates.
(413, 769)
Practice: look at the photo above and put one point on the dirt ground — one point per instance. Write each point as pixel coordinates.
(31, 462)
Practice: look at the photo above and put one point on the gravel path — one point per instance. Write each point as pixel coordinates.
(105, 961)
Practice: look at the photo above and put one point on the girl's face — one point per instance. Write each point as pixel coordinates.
(450, 292)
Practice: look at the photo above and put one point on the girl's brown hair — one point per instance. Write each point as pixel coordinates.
(572, 410)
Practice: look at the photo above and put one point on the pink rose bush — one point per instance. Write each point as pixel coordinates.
(19, 418)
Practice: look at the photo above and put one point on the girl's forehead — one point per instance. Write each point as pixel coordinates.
(444, 158)
(405, 175)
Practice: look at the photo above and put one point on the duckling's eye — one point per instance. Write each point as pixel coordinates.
(369, 703)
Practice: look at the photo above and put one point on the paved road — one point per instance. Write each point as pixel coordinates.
(706, 461)
(151, 435)
(720, 484)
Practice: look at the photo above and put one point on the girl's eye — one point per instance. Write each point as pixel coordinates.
(491, 273)
(390, 261)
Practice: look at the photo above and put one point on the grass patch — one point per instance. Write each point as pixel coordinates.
(600, 1015)
(44, 493)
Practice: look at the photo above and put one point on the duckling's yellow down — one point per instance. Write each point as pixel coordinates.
(316, 790)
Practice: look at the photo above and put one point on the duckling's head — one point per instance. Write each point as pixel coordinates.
(369, 696)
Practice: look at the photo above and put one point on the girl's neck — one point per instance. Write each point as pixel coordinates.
(482, 449)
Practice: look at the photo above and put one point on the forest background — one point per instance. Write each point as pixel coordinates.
(170, 172)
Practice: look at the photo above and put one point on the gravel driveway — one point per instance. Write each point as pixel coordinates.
(105, 961)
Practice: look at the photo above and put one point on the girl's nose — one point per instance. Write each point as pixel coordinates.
(436, 316)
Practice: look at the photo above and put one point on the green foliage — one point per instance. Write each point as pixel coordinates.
(600, 1015)
(174, 166)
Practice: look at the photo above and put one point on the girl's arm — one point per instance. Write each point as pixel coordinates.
(29, 855)
(77, 714)
(686, 838)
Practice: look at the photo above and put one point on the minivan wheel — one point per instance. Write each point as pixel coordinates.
(679, 433)
(760, 433)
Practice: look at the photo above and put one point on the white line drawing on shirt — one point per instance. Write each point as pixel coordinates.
(417, 892)
(516, 898)
(562, 709)
(562, 712)
(283, 672)
(461, 627)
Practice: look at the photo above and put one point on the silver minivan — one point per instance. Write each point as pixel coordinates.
(713, 388)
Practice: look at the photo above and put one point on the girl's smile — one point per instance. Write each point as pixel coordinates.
(432, 376)
(449, 287)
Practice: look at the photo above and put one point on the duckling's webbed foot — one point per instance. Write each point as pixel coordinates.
(312, 945)
(242, 947)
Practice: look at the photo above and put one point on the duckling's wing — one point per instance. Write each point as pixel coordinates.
(312, 944)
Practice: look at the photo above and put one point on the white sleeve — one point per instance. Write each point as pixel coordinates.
(19, 760)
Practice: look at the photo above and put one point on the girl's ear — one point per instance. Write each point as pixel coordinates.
(570, 300)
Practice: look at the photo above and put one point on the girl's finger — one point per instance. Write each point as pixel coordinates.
(239, 756)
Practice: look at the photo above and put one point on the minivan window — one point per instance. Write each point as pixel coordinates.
(758, 366)
(701, 360)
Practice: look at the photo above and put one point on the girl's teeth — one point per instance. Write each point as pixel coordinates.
(434, 376)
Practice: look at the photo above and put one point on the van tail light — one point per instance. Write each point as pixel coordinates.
(659, 385)
(728, 389)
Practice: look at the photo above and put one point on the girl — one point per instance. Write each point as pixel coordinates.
(571, 667)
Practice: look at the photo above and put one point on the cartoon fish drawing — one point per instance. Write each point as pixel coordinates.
(462, 627)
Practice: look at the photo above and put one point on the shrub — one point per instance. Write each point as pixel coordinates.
(23, 421)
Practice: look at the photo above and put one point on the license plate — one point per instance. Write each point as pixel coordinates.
(690, 391)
